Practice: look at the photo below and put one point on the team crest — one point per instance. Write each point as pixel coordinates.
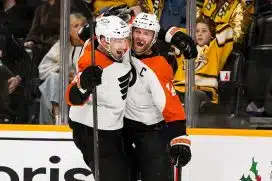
(124, 84)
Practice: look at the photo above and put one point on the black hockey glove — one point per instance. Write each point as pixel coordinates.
(91, 77)
(122, 11)
(180, 150)
(180, 40)
(84, 32)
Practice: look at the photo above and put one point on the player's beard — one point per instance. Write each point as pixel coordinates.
(140, 47)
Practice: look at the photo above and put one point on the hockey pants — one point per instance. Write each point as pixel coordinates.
(146, 148)
(111, 156)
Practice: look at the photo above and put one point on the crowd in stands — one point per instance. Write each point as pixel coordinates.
(232, 39)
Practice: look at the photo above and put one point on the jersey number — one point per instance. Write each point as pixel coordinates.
(171, 88)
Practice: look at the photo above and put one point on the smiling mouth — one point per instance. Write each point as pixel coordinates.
(140, 44)
(119, 52)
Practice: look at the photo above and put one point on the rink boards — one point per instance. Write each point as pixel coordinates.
(47, 153)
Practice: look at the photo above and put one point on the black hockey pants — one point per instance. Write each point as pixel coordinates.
(111, 156)
(147, 150)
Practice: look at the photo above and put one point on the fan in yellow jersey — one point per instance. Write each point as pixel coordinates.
(152, 6)
(149, 6)
(235, 12)
(99, 5)
(214, 48)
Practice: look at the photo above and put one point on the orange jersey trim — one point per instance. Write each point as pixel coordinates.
(173, 109)
(85, 61)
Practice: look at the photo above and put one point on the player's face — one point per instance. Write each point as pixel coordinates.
(119, 46)
(141, 39)
(203, 34)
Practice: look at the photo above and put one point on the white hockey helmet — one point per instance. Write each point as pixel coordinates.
(148, 22)
(111, 27)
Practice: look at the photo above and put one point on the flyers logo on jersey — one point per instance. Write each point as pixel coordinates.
(124, 84)
(133, 76)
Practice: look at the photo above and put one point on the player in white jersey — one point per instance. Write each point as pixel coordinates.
(154, 115)
(112, 84)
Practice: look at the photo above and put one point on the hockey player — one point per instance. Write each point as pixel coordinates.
(112, 84)
(154, 115)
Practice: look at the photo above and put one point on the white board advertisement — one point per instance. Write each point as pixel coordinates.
(41, 156)
(52, 156)
(230, 158)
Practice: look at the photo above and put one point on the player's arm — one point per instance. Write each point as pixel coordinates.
(162, 90)
(223, 45)
(240, 21)
(168, 102)
(165, 98)
(79, 90)
(183, 42)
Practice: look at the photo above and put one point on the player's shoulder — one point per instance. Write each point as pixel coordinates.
(101, 59)
(158, 64)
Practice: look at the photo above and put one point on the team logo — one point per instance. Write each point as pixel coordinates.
(133, 76)
(124, 84)
(200, 62)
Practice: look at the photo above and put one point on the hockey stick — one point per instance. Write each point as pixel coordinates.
(177, 171)
(94, 96)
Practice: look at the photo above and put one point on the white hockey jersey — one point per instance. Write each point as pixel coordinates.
(152, 97)
(111, 94)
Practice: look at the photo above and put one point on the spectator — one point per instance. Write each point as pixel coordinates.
(249, 5)
(99, 6)
(19, 17)
(43, 34)
(174, 14)
(49, 71)
(213, 51)
(233, 12)
(152, 7)
(5, 112)
(45, 27)
(12, 73)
